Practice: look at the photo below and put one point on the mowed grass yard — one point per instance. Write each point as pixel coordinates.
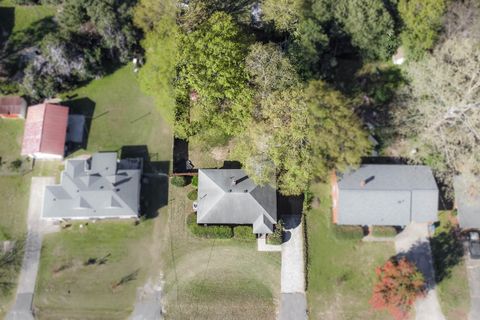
(67, 288)
(122, 115)
(341, 272)
(25, 16)
(213, 278)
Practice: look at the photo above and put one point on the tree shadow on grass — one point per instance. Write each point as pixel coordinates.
(447, 251)
(7, 21)
(26, 38)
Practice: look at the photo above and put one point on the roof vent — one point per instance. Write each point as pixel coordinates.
(234, 182)
(364, 182)
(229, 190)
(245, 190)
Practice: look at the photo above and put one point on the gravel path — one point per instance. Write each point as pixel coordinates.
(293, 304)
(414, 244)
(22, 309)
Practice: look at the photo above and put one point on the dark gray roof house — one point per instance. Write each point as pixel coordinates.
(392, 195)
(229, 196)
(99, 187)
(467, 201)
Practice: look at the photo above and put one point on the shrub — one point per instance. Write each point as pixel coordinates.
(209, 232)
(381, 231)
(16, 164)
(192, 195)
(348, 232)
(398, 285)
(195, 181)
(276, 236)
(243, 233)
(178, 181)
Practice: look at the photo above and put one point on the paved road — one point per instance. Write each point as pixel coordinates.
(22, 308)
(473, 271)
(413, 242)
(293, 304)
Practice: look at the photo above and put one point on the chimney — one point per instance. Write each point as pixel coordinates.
(364, 182)
(234, 182)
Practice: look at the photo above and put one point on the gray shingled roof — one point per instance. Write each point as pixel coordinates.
(467, 200)
(392, 195)
(229, 196)
(98, 187)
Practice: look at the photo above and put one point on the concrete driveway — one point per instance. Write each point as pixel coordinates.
(473, 272)
(293, 304)
(22, 308)
(414, 244)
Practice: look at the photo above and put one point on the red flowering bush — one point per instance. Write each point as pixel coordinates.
(399, 283)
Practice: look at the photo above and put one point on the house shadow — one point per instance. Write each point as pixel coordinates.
(227, 164)
(384, 160)
(154, 182)
(79, 108)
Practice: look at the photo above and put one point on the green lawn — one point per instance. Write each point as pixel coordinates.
(11, 132)
(122, 115)
(215, 279)
(67, 288)
(24, 16)
(452, 286)
(340, 271)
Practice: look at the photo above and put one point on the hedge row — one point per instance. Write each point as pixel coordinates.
(381, 231)
(244, 233)
(217, 232)
(348, 232)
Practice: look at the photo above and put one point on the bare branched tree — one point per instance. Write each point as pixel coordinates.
(440, 110)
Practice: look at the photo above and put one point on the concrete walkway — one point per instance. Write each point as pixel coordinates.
(473, 272)
(148, 304)
(22, 308)
(293, 304)
(414, 244)
(264, 247)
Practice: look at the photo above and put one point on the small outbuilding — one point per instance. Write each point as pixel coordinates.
(12, 107)
(229, 196)
(99, 187)
(45, 131)
(467, 201)
(385, 195)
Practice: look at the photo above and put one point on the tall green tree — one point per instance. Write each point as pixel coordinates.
(285, 14)
(422, 21)
(212, 84)
(302, 134)
(370, 26)
(157, 20)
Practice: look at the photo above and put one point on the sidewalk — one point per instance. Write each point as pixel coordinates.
(293, 304)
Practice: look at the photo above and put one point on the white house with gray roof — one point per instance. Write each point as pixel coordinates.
(389, 195)
(467, 201)
(229, 196)
(99, 187)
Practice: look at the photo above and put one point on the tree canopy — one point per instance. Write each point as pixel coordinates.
(422, 21)
(212, 84)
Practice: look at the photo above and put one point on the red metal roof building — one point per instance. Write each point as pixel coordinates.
(12, 107)
(45, 131)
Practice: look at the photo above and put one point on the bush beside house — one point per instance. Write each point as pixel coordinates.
(348, 232)
(178, 181)
(243, 233)
(209, 232)
(277, 236)
(384, 231)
